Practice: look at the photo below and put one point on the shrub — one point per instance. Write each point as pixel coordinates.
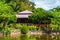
(24, 29)
(7, 31)
(18, 26)
(54, 26)
(43, 28)
(32, 28)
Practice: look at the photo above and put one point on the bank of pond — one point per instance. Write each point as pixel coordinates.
(27, 29)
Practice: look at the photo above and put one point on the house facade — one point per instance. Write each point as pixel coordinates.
(22, 17)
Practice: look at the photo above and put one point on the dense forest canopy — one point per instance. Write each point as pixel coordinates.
(20, 5)
(9, 9)
(40, 16)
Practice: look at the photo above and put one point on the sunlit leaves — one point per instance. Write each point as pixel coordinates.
(6, 12)
(39, 15)
(55, 12)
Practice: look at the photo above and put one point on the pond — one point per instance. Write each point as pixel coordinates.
(32, 37)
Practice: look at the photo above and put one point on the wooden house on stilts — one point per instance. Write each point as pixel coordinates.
(22, 17)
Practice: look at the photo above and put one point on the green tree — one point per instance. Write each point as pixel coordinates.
(20, 5)
(39, 15)
(56, 9)
(55, 21)
(24, 29)
(6, 14)
(24, 6)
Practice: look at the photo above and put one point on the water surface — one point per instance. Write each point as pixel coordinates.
(32, 37)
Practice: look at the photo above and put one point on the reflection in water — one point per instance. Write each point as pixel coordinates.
(26, 37)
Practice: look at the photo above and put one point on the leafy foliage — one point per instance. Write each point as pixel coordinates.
(55, 22)
(6, 12)
(24, 29)
(40, 15)
(9, 8)
(7, 16)
(7, 31)
(32, 28)
(20, 5)
(18, 26)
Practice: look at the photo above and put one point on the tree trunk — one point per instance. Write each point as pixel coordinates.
(4, 23)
